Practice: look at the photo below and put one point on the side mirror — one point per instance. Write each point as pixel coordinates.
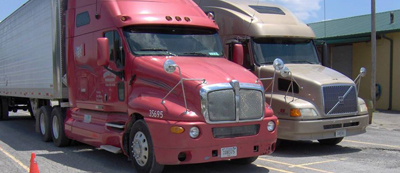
(278, 64)
(363, 71)
(238, 54)
(103, 52)
(285, 72)
(325, 55)
(169, 66)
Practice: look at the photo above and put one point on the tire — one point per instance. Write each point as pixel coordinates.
(141, 145)
(44, 123)
(57, 128)
(1, 111)
(332, 141)
(4, 109)
(244, 161)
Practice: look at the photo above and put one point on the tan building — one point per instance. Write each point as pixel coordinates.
(349, 46)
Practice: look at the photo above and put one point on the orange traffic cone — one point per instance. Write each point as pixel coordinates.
(33, 167)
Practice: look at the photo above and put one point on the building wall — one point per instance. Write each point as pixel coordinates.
(342, 59)
(362, 58)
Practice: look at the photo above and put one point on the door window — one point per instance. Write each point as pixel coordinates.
(117, 53)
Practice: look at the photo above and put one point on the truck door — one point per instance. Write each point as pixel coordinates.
(113, 89)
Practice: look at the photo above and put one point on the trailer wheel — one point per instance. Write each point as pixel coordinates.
(57, 128)
(244, 161)
(332, 141)
(4, 109)
(141, 149)
(44, 123)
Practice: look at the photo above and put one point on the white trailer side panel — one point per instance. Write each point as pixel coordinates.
(31, 51)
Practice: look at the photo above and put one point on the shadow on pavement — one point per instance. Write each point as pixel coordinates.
(310, 149)
(223, 166)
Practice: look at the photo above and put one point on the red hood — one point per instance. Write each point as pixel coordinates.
(154, 82)
(214, 70)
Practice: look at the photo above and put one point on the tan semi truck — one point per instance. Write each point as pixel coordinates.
(312, 102)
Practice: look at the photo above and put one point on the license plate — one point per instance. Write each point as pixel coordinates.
(228, 152)
(341, 133)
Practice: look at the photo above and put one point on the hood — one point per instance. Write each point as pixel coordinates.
(213, 70)
(151, 75)
(318, 74)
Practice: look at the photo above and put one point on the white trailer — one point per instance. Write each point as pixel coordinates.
(32, 63)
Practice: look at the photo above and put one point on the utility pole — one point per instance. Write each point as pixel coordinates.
(373, 55)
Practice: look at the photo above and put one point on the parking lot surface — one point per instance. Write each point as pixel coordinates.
(378, 150)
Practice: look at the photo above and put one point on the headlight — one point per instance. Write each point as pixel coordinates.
(363, 108)
(308, 112)
(271, 126)
(194, 132)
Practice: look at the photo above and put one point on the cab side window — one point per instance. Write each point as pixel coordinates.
(117, 53)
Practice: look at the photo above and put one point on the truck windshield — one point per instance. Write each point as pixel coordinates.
(291, 51)
(173, 41)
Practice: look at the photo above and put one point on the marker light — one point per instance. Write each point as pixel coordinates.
(169, 18)
(177, 129)
(187, 19)
(124, 18)
(178, 18)
(295, 113)
(194, 132)
(271, 126)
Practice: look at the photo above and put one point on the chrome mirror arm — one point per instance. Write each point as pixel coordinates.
(183, 88)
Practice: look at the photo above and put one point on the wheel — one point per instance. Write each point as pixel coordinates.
(141, 147)
(57, 128)
(332, 141)
(4, 109)
(44, 123)
(244, 161)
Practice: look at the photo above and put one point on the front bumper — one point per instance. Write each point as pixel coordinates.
(321, 129)
(206, 148)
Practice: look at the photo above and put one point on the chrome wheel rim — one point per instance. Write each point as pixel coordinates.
(55, 127)
(140, 148)
(42, 124)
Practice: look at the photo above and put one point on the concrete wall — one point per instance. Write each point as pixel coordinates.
(362, 58)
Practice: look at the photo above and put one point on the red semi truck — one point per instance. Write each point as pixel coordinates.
(145, 78)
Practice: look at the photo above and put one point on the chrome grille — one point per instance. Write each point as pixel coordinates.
(221, 105)
(251, 104)
(232, 102)
(340, 99)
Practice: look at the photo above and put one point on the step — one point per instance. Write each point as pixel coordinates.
(111, 149)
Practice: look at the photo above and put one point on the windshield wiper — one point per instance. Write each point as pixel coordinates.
(195, 54)
(158, 49)
(153, 49)
(301, 61)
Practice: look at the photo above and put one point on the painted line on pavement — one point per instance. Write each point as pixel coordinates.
(292, 165)
(369, 143)
(14, 159)
(314, 163)
(274, 169)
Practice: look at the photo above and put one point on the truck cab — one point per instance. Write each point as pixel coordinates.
(312, 102)
(149, 79)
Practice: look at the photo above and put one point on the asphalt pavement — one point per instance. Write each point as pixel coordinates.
(378, 150)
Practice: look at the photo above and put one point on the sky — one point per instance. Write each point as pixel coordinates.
(308, 11)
